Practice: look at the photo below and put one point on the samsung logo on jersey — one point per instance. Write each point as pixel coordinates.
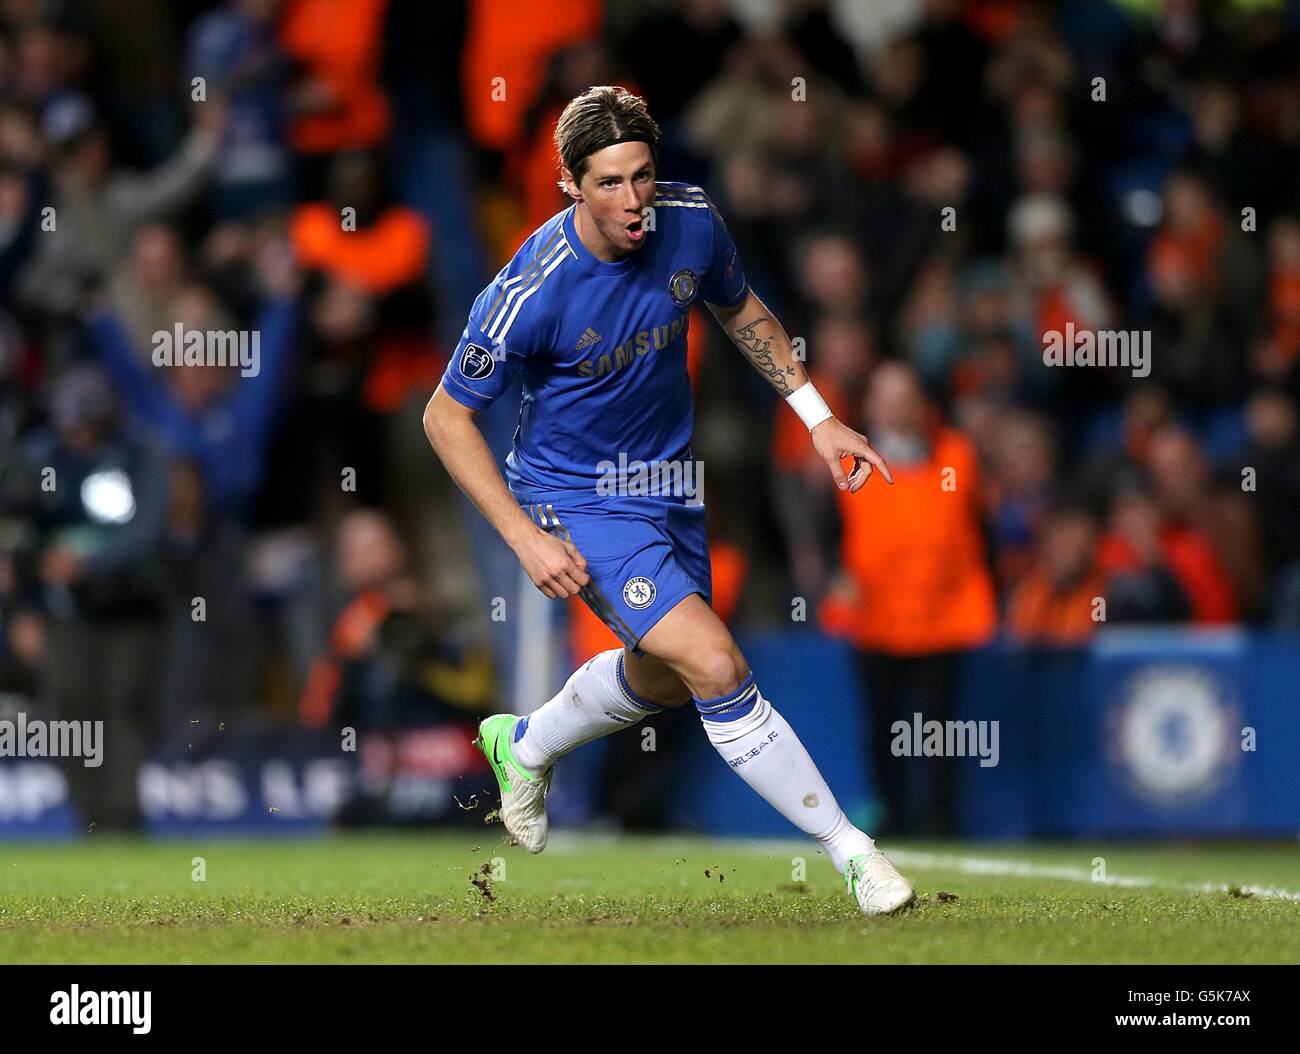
(660, 336)
(476, 363)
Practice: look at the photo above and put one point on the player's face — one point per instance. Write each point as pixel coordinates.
(616, 189)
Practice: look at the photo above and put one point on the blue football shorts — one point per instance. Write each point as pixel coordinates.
(644, 555)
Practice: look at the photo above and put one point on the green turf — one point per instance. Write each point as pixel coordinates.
(410, 899)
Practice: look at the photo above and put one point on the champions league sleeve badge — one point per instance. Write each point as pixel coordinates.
(476, 363)
(683, 286)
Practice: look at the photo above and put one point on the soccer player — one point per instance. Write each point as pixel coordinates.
(592, 312)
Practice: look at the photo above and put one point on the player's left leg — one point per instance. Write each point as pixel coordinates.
(607, 693)
(611, 691)
(762, 748)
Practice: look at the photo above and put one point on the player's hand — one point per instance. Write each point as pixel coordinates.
(833, 441)
(555, 567)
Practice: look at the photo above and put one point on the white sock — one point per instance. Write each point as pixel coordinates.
(594, 702)
(759, 744)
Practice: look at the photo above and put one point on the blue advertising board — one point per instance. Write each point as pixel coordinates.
(1143, 733)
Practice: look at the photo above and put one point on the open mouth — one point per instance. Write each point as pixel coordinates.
(635, 231)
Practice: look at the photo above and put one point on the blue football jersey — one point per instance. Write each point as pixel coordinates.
(600, 347)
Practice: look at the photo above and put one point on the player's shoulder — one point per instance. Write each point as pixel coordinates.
(685, 196)
(520, 289)
(544, 246)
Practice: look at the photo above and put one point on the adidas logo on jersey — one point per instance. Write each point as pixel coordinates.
(588, 339)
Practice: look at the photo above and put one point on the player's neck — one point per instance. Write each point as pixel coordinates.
(591, 238)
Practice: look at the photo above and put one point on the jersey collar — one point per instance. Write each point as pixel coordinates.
(583, 254)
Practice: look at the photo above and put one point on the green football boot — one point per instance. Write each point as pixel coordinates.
(523, 796)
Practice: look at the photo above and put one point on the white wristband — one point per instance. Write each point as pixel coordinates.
(809, 405)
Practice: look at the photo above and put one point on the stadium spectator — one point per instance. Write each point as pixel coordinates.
(1200, 357)
(833, 277)
(1272, 457)
(1055, 602)
(1020, 493)
(50, 55)
(698, 33)
(504, 61)
(100, 496)
(914, 592)
(1052, 284)
(97, 207)
(20, 208)
(1279, 357)
(1191, 497)
(211, 651)
(1240, 164)
(395, 675)
(1119, 460)
(357, 236)
(144, 293)
(234, 50)
(965, 337)
(1157, 572)
(218, 415)
(335, 100)
(387, 666)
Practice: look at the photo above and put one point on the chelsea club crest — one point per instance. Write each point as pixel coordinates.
(639, 592)
(683, 285)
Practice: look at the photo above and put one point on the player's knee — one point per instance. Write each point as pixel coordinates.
(655, 681)
(717, 671)
(664, 689)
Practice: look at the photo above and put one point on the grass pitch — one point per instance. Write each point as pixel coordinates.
(426, 898)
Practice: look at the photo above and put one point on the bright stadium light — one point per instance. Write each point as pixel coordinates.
(107, 497)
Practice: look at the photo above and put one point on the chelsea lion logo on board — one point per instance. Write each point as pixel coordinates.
(1173, 734)
(476, 363)
(683, 285)
(639, 592)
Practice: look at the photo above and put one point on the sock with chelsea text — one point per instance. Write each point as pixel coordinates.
(762, 748)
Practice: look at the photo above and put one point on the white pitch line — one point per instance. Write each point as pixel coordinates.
(975, 865)
(566, 842)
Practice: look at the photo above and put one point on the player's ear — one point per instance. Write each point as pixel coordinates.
(568, 184)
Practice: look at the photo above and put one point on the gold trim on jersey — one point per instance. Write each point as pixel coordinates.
(693, 193)
(557, 257)
(525, 275)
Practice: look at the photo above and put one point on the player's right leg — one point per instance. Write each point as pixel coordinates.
(764, 751)
(612, 691)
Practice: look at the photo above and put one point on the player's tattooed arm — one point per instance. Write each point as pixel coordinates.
(755, 340)
(763, 341)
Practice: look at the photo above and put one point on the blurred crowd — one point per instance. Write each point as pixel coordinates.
(1103, 167)
(919, 188)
